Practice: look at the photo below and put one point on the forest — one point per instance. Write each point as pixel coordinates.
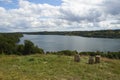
(9, 45)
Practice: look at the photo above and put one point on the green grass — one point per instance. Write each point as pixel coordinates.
(56, 67)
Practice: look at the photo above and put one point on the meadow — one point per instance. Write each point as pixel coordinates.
(56, 67)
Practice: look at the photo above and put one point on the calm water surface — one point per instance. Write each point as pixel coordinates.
(60, 42)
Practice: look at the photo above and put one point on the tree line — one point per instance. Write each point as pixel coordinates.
(96, 34)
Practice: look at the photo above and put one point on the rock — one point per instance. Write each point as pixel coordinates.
(91, 60)
(97, 59)
(77, 58)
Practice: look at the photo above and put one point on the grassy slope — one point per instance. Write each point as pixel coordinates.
(54, 67)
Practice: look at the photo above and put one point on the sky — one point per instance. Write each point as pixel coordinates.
(58, 15)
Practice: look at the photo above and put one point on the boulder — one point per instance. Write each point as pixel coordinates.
(91, 60)
(77, 58)
(97, 59)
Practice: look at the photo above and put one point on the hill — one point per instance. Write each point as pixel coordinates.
(56, 67)
(96, 34)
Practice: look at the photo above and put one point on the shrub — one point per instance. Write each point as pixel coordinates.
(67, 52)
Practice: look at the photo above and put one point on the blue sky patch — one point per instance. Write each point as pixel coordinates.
(9, 5)
(14, 3)
(51, 2)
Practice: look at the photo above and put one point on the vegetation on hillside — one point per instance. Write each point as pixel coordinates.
(8, 45)
(54, 67)
(8, 42)
(111, 55)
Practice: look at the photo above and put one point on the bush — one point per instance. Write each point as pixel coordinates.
(113, 55)
(67, 52)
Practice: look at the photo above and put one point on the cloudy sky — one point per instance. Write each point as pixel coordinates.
(59, 15)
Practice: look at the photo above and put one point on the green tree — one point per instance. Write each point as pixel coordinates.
(28, 47)
(20, 49)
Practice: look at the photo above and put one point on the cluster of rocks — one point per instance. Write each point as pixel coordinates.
(91, 60)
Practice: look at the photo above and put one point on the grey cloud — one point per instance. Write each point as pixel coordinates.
(90, 16)
(3, 29)
(116, 22)
(112, 6)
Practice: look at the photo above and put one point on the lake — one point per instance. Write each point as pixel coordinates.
(61, 42)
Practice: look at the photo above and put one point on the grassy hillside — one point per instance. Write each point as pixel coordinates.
(56, 67)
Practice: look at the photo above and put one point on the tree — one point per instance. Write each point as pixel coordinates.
(20, 49)
(28, 47)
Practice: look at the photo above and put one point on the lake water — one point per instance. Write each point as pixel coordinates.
(61, 42)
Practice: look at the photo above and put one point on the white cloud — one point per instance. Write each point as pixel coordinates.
(70, 15)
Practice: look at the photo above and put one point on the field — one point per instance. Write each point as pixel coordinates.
(56, 67)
